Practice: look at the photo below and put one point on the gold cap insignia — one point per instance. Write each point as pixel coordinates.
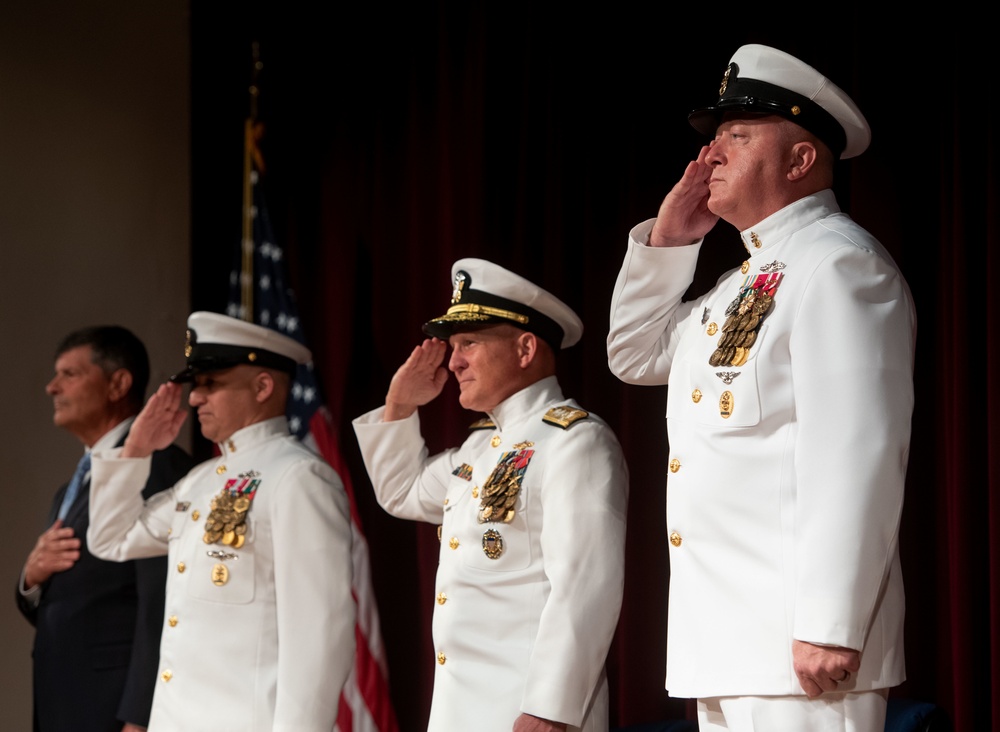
(460, 280)
(725, 80)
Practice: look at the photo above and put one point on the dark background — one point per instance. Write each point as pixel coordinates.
(399, 139)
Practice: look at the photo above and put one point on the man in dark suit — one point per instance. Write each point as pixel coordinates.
(97, 623)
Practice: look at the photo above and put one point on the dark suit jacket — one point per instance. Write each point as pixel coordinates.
(97, 626)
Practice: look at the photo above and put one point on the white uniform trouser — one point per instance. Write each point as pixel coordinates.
(845, 712)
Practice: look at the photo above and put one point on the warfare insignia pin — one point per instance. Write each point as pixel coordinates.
(727, 376)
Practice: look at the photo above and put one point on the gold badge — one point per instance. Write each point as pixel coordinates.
(492, 544)
(726, 405)
(220, 574)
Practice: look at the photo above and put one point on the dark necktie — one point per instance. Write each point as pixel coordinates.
(74, 484)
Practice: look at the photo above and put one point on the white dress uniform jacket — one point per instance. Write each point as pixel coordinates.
(259, 638)
(786, 473)
(528, 629)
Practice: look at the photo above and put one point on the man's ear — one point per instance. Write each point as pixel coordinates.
(802, 159)
(263, 386)
(527, 349)
(120, 382)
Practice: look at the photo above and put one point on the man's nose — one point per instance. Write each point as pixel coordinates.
(196, 397)
(715, 152)
(455, 362)
(51, 388)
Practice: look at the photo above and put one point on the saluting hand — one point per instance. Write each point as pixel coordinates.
(684, 217)
(56, 550)
(158, 424)
(418, 381)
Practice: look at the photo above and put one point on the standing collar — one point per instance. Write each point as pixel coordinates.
(254, 434)
(785, 222)
(529, 400)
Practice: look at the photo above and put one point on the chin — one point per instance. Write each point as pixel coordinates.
(470, 403)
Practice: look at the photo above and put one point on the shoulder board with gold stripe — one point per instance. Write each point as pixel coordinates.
(564, 416)
(482, 424)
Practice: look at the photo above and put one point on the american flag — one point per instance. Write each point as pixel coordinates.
(260, 273)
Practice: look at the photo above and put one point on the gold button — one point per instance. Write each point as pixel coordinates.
(442, 598)
(475, 491)
(167, 675)
(442, 658)
(495, 441)
(675, 538)
(173, 621)
(675, 465)
(232, 446)
(446, 501)
(221, 469)
(745, 267)
(712, 329)
(181, 567)
(195, 515)
(170, 531)
(453, 543)
(696, 396)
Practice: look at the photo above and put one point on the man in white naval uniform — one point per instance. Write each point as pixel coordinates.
(531, 511)
(788, 413)
(259, 622)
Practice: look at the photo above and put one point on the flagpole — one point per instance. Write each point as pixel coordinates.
(249, 143)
